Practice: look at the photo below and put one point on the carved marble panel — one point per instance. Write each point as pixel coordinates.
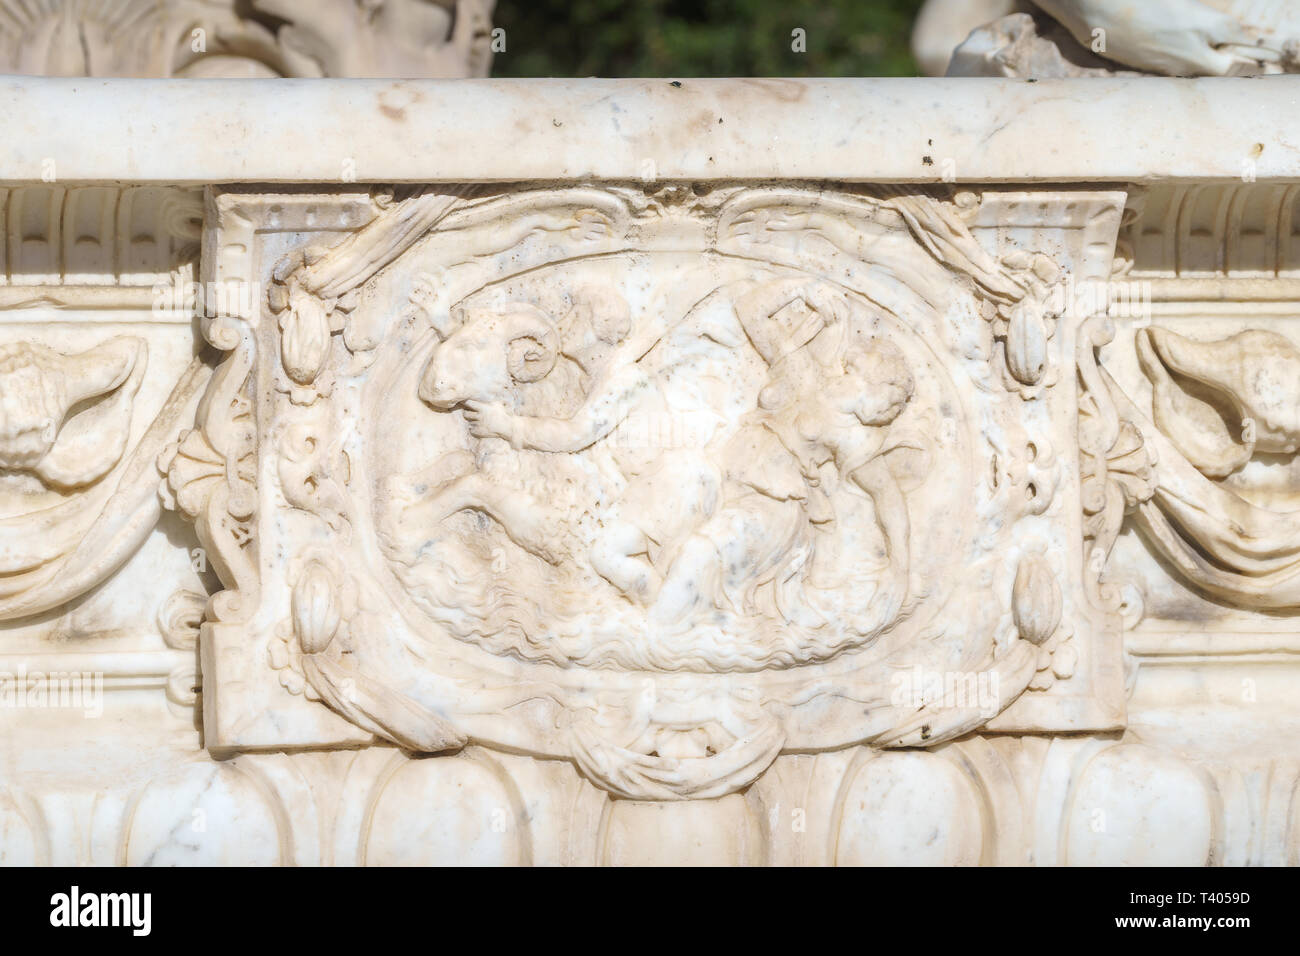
(714, 504)
(662, 480)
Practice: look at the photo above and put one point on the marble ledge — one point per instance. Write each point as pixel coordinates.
(850, 130)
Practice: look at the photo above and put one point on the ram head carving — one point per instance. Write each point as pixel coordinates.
(67, 418)
(1221, 402)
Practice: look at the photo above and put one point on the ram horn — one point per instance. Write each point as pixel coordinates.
(532, 346)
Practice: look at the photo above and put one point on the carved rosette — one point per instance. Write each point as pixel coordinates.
(665, 481)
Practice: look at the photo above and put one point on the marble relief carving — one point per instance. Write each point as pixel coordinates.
(658, 483)
(786, 522)
(1215, 406)
(76, 449)
(253, 40)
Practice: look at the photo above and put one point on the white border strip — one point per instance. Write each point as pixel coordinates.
(858, 130)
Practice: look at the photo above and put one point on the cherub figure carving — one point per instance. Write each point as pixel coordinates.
(481, 362)
(829, 399)
(700, 526)
(479, 369)
(669, 489)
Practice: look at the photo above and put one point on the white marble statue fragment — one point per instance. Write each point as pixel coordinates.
(1059, 38)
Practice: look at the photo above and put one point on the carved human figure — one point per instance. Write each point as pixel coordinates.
(479, 364)
(749, 507)
(828, 400)
(670, 488)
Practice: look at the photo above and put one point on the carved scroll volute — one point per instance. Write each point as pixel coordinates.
(209, 475)
(209, 472)
(1117, 466)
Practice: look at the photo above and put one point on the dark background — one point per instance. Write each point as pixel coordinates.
(630, 38)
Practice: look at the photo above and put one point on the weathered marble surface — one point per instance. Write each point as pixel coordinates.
(923, 130)
(197, 39)
(681, 474)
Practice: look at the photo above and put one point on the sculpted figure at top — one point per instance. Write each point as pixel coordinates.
(1059, 38)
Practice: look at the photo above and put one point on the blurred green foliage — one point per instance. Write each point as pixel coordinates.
(672, 38)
